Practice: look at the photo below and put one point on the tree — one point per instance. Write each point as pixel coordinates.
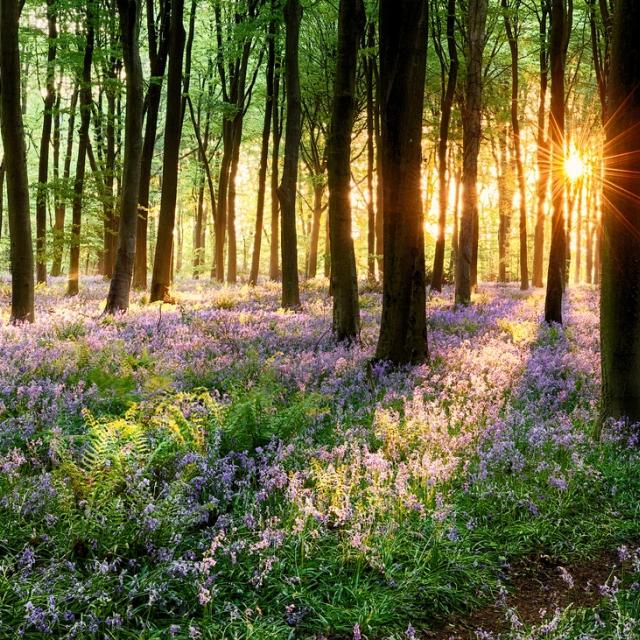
(118, 298)
(161, 279)
(475, 19)
(620, 302)
(45, 140)
(512, 27)
(344, 277)
(288, 184)
(83, 145)
(264, 150)
(560, 29)
(158, 46)
(446, 105)
(13, 141)
(403, 54)
(542, 145)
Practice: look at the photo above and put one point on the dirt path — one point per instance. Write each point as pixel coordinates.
(535, 589)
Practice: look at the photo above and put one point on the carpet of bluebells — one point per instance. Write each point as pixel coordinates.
(223, 469)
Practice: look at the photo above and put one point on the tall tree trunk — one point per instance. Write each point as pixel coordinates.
(371, 205)
(288, 184)
(505, 203)
(511, 23)
(590, 226)
(445, 120)
(13, 141)
(620, 300)
(314, 241)
(161, 278)
(118, 298)
(557, 253)
(542, 151)
(476, 18)
(264, 154)
(344, 277)
(158, 51)
(403, 54)
(83, 144)
(45, 140)
(274, 253)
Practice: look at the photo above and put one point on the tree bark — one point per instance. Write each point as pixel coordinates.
(445, 120)
(466, 270)
(158, 51)
(83, 144)
(13, 141)
(344, 277)
(161, 278)
(45, 140)
(542, 151)
(118, 298)
(511, 23)
(264, 154)
(620, 301)
(288, 184)
(403, 54)
(274, 252)
(557, 253)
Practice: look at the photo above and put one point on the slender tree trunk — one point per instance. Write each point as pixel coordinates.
(590, 226)
(288, 184)
(403, 54)
(83, 144)
(314, 241)
(466, 270)
(620, 300)
(445, 119)
(161, 279)
(13, 141)
(542, 152)
(505, 204)
(344, 277)
(158, 61)
(61, 204)
(274, 254)
(557, 253)
(512, 28)
(264, 154)
(371, 207)
(579, 232)
(118, 298)
(45, 140)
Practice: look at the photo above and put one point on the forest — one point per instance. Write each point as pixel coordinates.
(320, 319)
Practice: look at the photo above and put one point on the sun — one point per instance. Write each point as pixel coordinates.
(574, 167)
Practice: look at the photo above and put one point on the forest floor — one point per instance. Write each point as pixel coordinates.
(223, 469)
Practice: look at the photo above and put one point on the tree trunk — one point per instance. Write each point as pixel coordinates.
(13, 141)
(45, 140)
(118, 298)
(158, 61)
(161, 278)
(511, 24)
(314, 241)
(83, 144)
(542, 151)
(264, 154)
(557, 253)
(505, 204)
(445, 119)
(371, 208)
(471, 131)
(403, 54)
(288, 184)
(274, 253)
(620, 301)
(344, 277)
